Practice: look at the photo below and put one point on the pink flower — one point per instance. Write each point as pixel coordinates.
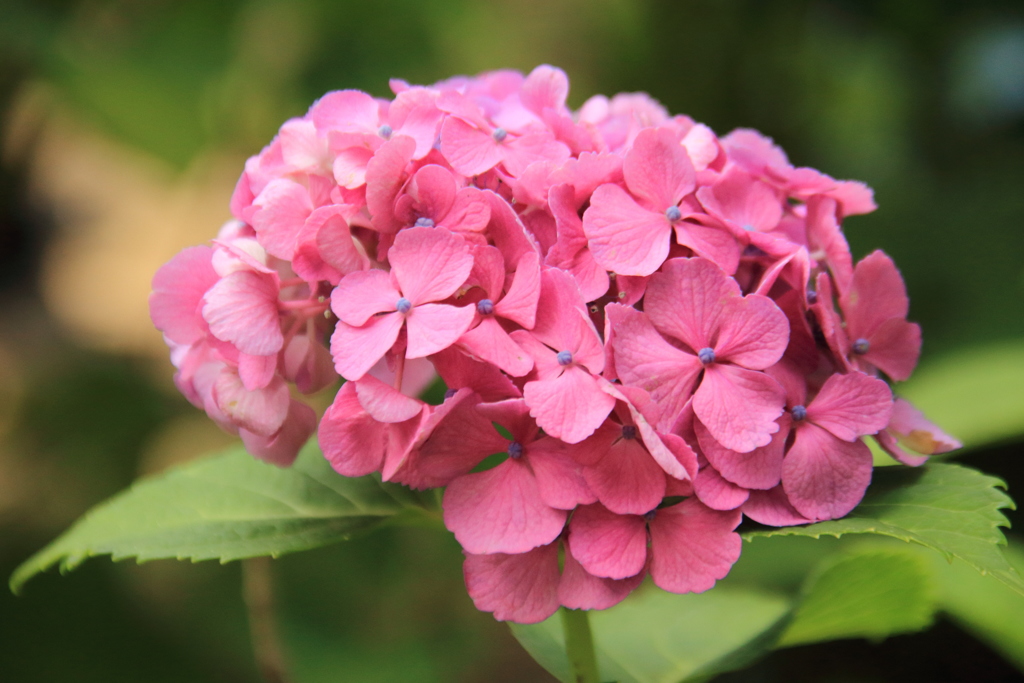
(910, 429)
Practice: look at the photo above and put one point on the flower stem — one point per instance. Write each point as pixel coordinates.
(258, 592)
(579, 645)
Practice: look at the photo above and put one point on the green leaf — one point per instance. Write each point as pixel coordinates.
(658, 637)
(950, 508)
(225, 507)
(872, 593)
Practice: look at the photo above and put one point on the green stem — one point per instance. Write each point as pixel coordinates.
(579, 645)
(257, 589)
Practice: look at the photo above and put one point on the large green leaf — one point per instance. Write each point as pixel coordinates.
(658, 637)
(950, 508)
(225, 507)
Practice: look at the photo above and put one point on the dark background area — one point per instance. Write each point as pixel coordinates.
(125, 123)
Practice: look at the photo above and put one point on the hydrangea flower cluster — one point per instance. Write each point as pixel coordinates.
(655, 330)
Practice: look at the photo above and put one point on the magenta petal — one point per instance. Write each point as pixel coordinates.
(569, 407)
(242, 309)
(623, 236)
(754, 332)
(761, 468)
(490, 342)
(692, 546)
(687, 298)
(738, 406)
(178, 289)
(469, 150)
(627, 480)
(825, 477)
(435, 327)
(606, 544)
(357, 349)
(429, 264)
(658, 170)
(579, 589)
(363, 294)
(522, 588)
(851, 405)
(772, 508)
(500, 511)
(716, 492)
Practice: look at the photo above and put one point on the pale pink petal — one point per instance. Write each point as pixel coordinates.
(692, 546)
(421, 123)
(716, 492)
(385, 404)
(490, 342)
(500, 511)
(519, 153)
(579, 589)
(469, 150)
(623, 236)
(356, 349)
(522, 588)
(772, 508)
(429, 264)
(738, 406)
(702, 146)
(345, 110)
(363, 294)
(520, 303)
(470, 211)
(349, 166)
(761, 468)
(825, 477)
(891, 445)
(606, 544)
(262, 411)
(687, 300)
(301, 149)
(435, 327)
(626, 480)
(334, 239)
(545, 88)
(178, 289)
(242, 309)
(282, 448)
(918, 432)
(385, 175)
(658, 170)
(308, 363)
(280, 213)
(754, 332)
(852, 405)
(256, 371)
(569, 407)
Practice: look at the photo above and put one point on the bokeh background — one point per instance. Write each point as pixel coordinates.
(125, 123)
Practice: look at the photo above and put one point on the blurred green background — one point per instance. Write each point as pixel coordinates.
(124, 126)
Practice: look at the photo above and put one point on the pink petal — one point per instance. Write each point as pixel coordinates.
(178, 289)
(563, 322)
(469, 150)
(435, 327)
(743, 200)
(772, 508)
(308, 363)
(658, 170)
(738, 406)
(470, 212)
(545, 88)
(692, 546)
(334, 239)
(385, 175)
(894, 348)
(356, 349)
(421, 124)
(570, 250)
(891, 445)
(507, 231)
(687, 298)
(242, 309)
(282, 448)
(714, 244)
(256, 371)
(852, 405)
(673, 455)
(363, 294)
(623, 236)
(569, 407)
(626, 480)
(429, 264)
(522, 588)
(433, 187)
(490, 342)
(824, 477)
(754, 332)
(761, 468)
(262, 411)
(519, 153)
(520, 303)
(345, 110)
(918, 432)
(717, 493)
(606, 544)
(876, 294)
(385, 404)
(500, 511)
(281, 211)
(579, 589)
(702, 146)
(559, 477)
(459, 370)
(824, 235)
(349, 166)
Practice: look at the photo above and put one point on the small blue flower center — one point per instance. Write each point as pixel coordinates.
(799, 413)
(485, 307)
(385, 131)
(748, 227)
(861, 346)
(403, 305)
(448, 393)
(673, 214)
(812, 297)
(499, 134)
(424, 222)
(628, 431)
(651, 515)
(515, 450)
(564, 357)
(706, 355)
